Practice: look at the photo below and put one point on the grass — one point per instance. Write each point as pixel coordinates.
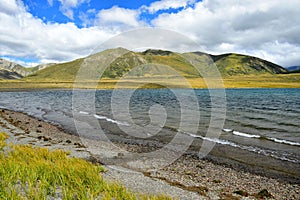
(36, 173)
(176, 62)
(237, 64)
(56, 73)
(247, 81)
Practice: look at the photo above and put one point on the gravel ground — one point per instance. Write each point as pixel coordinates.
(186, 178)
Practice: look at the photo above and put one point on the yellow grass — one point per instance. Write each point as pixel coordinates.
(251, 81)
(28, 172)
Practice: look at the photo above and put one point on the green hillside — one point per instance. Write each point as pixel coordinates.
(236, 64)
(151, 64)
(58, 72)
(66, 72)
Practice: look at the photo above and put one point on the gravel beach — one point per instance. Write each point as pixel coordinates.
(186, 178)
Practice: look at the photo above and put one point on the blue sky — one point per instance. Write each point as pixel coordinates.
(42, 31)
(51, 13)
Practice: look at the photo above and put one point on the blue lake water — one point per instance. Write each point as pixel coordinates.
(262, 121)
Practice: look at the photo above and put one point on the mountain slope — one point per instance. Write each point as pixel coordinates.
(237, 64)
(67, 71)
(7, 74)
(11, 70)
(14, 67)
(151, 64)
(58, 72)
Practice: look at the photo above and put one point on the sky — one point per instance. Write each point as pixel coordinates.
(46, 31)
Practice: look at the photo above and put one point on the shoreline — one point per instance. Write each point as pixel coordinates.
(110, 89)
(130, 88)
(204, 178)
(247, 81)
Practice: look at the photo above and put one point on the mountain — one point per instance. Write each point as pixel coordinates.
(8, 66)
(229, 65)
(7, 74)
(293, 69)
(237, 64)
(150, 62)
(40, 67)
(11, 70)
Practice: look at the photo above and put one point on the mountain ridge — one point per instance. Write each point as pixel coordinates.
(229, 65)
(8, 67)
(12, 70)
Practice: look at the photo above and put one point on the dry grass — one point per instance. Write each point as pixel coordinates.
(36, 173)
(259, 81)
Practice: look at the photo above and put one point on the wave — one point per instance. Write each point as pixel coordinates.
(83, 112)
(105, 118)
(215, 140)
(258, 150)
(245, 134)
(111, 120)
(284, 141)
(227, 130)
(276, 140)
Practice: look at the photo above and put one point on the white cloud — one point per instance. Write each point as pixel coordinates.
(67, 6)
(9, 7)
(22, 35)
(87, 17)
(50, 2)
(167, 4)
(248, 26)
(279, 52)
(118, 17)
(268, 29)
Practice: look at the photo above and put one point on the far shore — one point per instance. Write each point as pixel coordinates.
(261, 81)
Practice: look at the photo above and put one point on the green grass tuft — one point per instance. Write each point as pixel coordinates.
(36, 173)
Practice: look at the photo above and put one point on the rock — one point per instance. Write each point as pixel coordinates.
(264, 193)
(241, 192)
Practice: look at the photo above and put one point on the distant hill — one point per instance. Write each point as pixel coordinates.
(40, 67)
(229, 65)
(11, 70)
(296, 71)
(7, 74)
(293, 69)
(237, 64)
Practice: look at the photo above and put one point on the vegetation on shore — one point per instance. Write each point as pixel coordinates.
(36, 173)
(251, 81)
